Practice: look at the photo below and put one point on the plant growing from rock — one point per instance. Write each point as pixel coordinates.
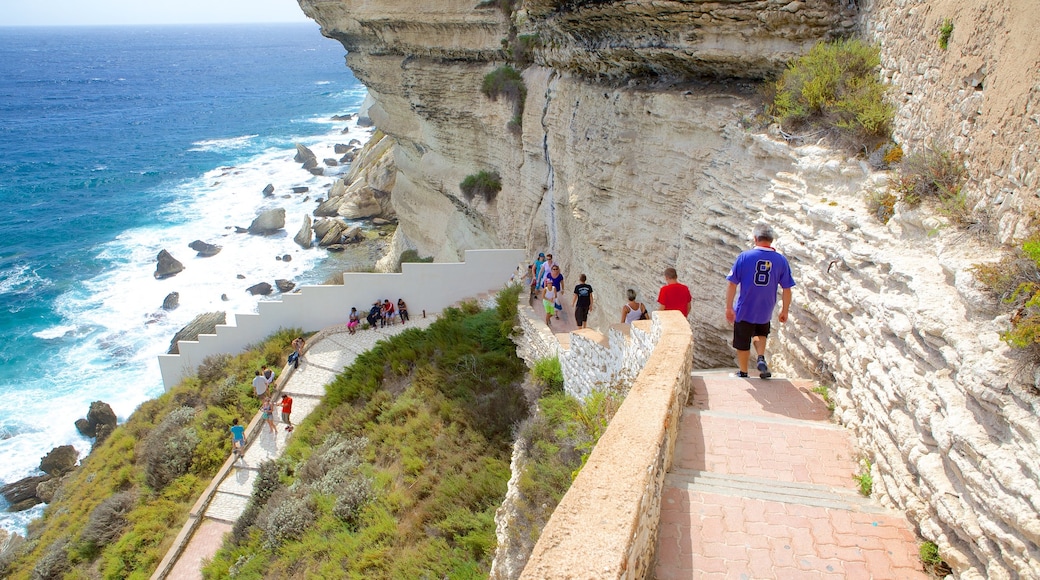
(932, 561)
(505, 81)
(486, 184)
(835, 89)
(945, 32)
(1015, 281)
(549, 374)
(865, 480)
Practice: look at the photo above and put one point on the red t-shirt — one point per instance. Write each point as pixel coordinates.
(675, 297)
(287, 404)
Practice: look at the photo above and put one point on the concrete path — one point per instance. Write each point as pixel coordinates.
(332, 350)
(762, 486)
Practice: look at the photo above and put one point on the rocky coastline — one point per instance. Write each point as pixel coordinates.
(636, 149)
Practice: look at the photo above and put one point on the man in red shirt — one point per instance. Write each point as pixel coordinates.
(287, 412)
(673, 295)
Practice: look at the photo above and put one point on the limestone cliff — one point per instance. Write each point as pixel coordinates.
(633, 155)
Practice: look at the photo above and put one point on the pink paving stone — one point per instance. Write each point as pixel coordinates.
(203, 544)
(706, 564)
(783, 539)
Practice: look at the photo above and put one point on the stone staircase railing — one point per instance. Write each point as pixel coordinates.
(429, 287)
(606, 525)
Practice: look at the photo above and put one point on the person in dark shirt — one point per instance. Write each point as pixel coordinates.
(582, 302)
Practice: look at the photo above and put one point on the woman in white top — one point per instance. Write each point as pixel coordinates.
(632, 310)
(549, 296)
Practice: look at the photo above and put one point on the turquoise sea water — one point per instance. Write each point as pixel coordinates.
(116, 143)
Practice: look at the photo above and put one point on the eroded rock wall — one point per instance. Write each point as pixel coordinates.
(623, 179)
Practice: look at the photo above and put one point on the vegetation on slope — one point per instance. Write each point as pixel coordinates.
(118, 513)
(835, 89)
(398, 473)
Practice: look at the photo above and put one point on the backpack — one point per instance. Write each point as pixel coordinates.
(645, 315)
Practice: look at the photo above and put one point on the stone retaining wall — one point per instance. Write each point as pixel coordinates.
(606, 524)
(425, 287)
(590, 361)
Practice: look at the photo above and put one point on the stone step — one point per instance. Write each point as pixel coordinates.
(723, 534)
(822, 496)
(771, 446)
(773, 397)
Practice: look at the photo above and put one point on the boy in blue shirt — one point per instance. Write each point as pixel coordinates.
(758, 272)
(238, 439)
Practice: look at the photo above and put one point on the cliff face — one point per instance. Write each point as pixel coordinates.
(626, 164)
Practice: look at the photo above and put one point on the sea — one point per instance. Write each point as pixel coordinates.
(117, 143)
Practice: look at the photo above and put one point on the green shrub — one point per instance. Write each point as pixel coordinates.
(486, 184)
(505, 81)
(54, 564)
(168, 450)
(933, 172)
(1015, 282)
(945, 32)
(835, 87)
(412, 256)
(107, 522)
(549, 374)
(286, 518)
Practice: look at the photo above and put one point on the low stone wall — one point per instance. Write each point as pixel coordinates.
(606, 525)
(429, 287)
(591, 361)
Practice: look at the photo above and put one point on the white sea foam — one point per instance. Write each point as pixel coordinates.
(223, 144)
(20, 278)
(117, 315)
(53, 332)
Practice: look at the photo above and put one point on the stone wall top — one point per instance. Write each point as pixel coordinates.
(620, 486)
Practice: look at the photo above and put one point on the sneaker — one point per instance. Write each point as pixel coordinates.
(763, 370)
(741, 375)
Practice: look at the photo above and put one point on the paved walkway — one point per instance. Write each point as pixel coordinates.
(216, 512)
(762, 486)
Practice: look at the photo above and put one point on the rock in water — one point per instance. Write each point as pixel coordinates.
(268, 222)
(303, 155)
(205, 323)
(284, 285)
(269, 190)
(330, 162)
(83, 426)
(59, 461)
(22, 493)
(172, 301)
(166, 265)
(263, 289)
(286, 258)
(301, 189)
(101, 415)
(204, 249)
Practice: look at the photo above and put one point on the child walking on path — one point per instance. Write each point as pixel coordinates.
(238, 439)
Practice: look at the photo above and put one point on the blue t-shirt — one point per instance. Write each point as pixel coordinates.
(758, 272)
(238, 432)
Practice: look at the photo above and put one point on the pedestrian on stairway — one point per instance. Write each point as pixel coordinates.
(673, 295)
(582, 302)
(758, 273)
(238, 439)
(286, 404)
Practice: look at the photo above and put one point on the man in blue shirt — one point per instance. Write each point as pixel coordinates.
(758, 272)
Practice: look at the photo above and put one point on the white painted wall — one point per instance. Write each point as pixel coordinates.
(430, 287)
